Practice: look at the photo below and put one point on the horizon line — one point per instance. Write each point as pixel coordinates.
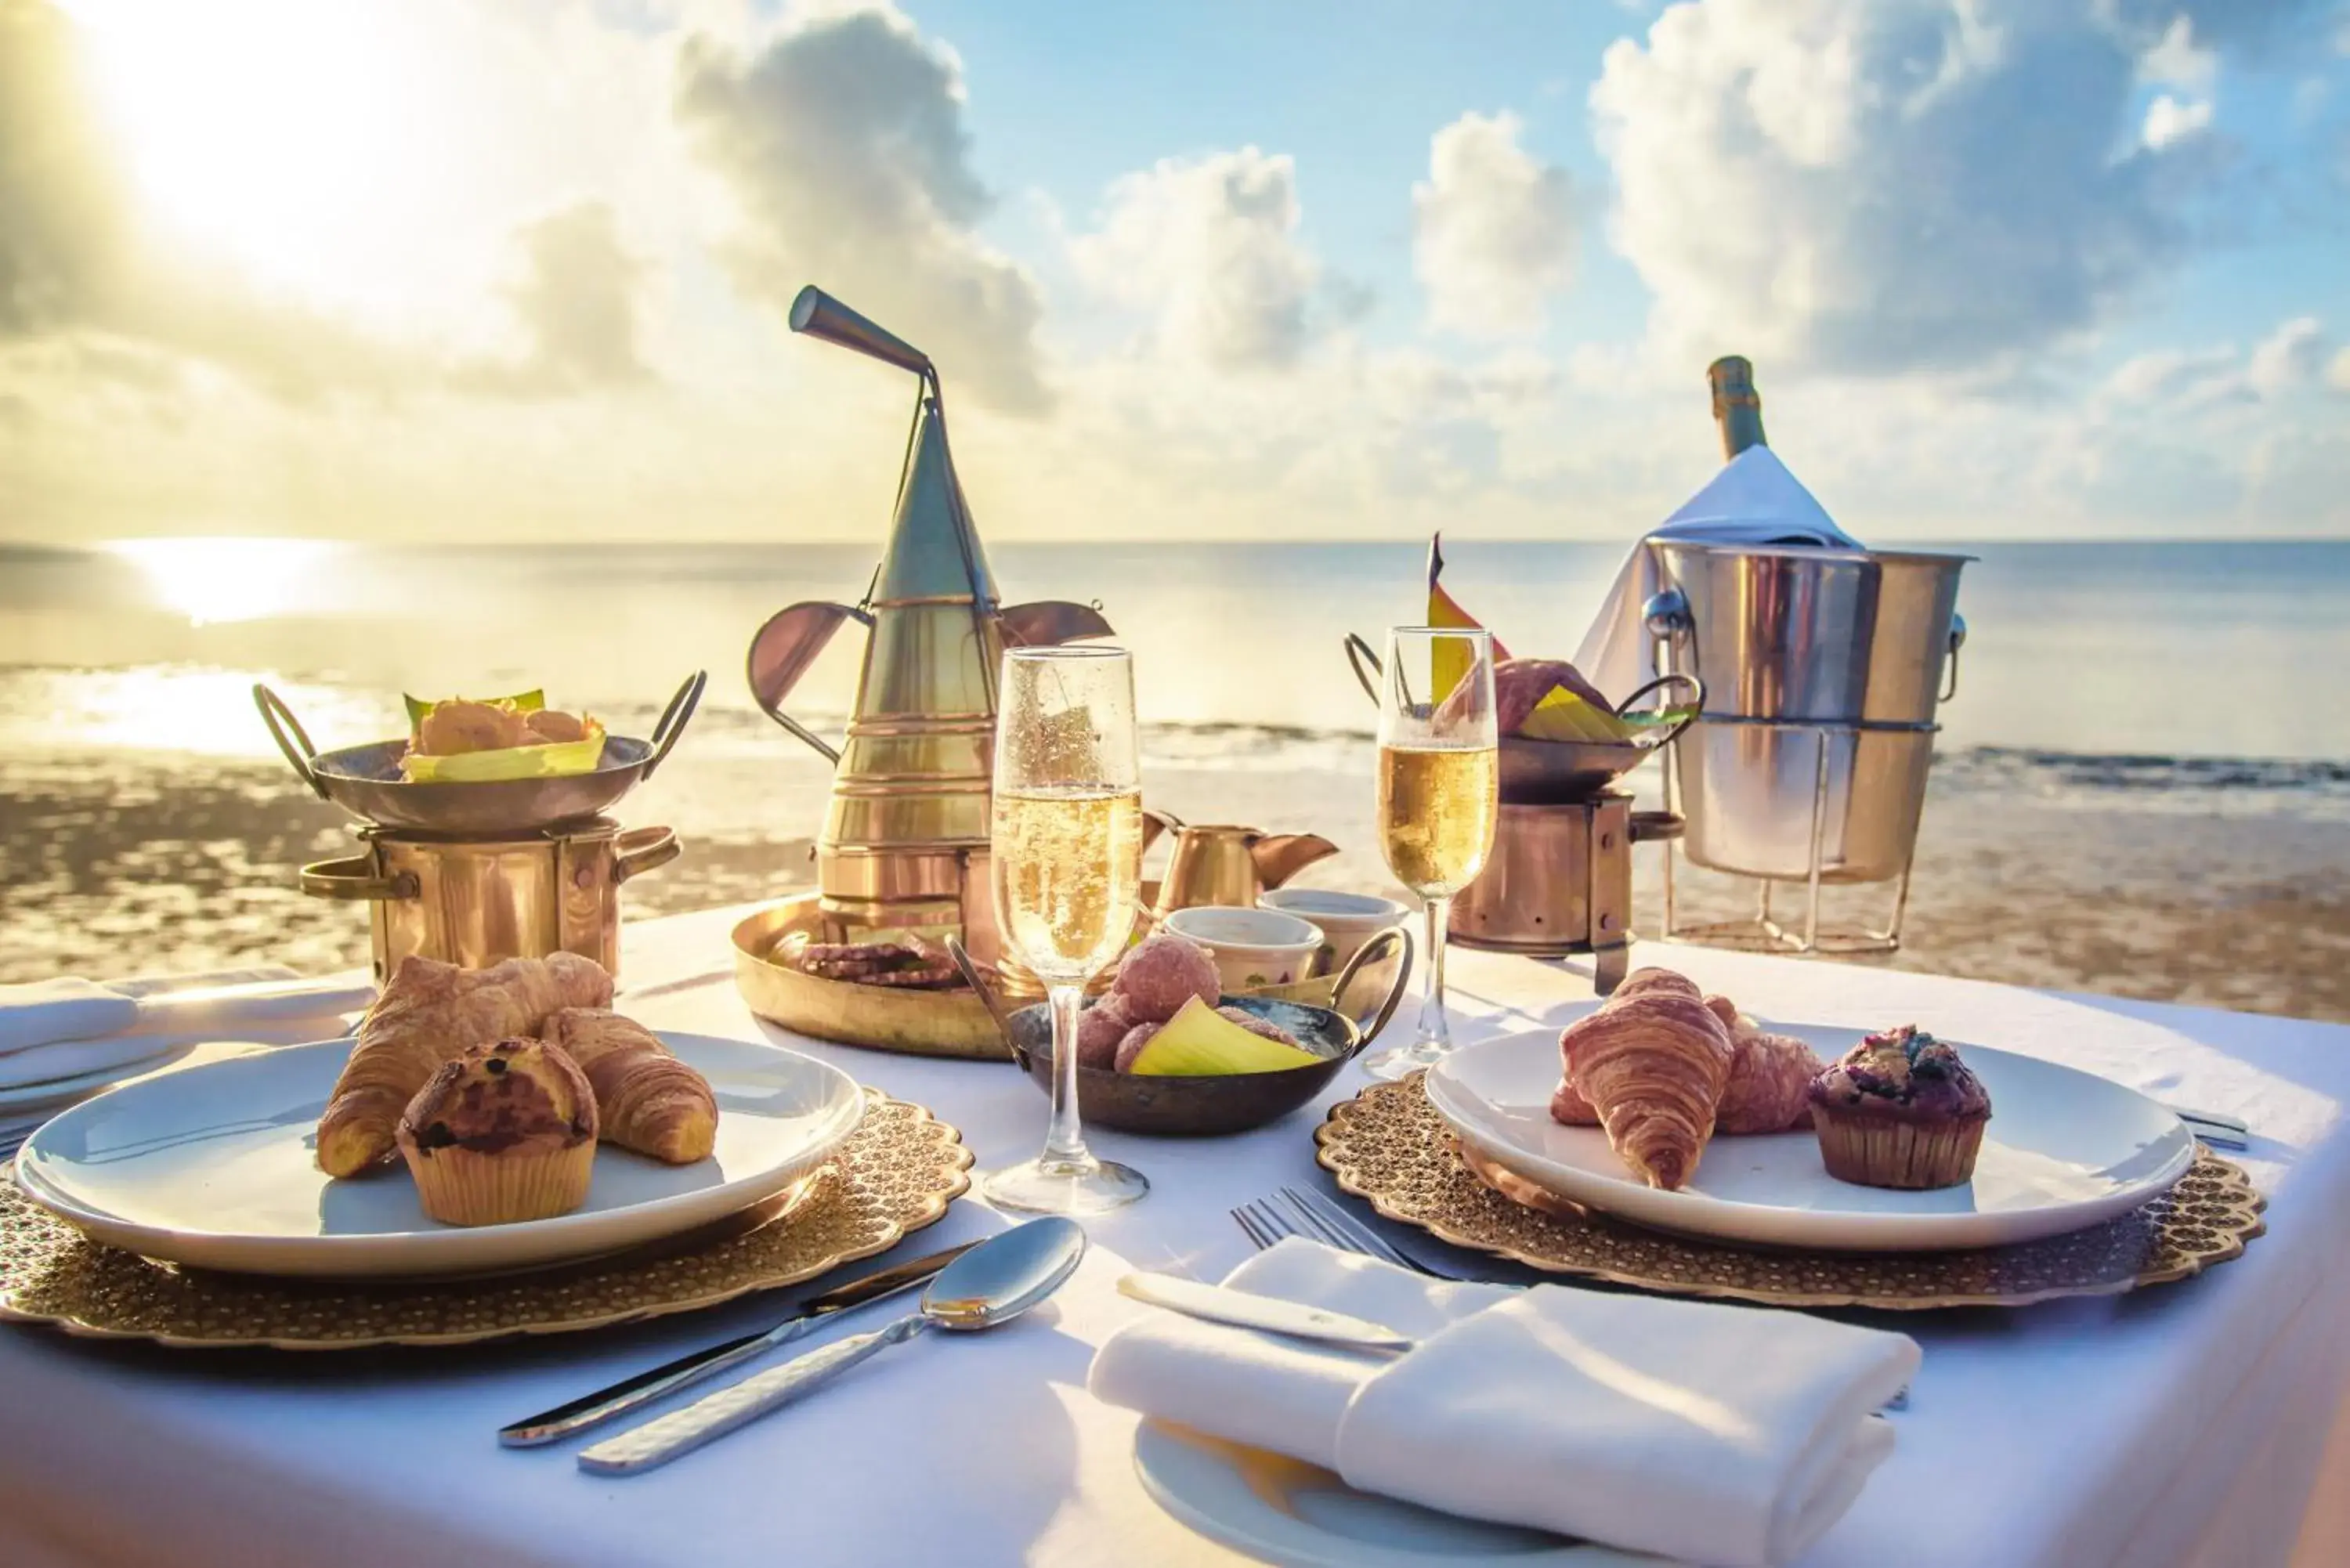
(101, 546)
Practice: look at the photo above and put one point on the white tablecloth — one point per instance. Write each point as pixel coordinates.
(2187, 1425)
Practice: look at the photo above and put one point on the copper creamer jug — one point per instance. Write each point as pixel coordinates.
(1226, 865)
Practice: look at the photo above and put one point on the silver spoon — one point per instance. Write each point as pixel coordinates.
(993, 1282)
(986, 994)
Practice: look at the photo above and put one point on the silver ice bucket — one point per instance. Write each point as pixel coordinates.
(1822, 670)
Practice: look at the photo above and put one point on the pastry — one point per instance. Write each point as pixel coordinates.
(1568, 1106)
(504, 1132)
(1653, 1065)
(1899, 1110)
(1130, 1047)
(429, 1013)
(1099, 1029)
(1641, 982)
(1163, 972)
(646, 1099)
(1769, 1083)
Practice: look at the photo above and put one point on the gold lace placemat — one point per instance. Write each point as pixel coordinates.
(1389, 1144)
(896, 1173)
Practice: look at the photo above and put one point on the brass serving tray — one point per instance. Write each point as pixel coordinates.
(918, 1023)
(1388, 1145)
(896, 1173)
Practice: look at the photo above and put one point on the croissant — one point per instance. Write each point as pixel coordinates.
(1567, 1106)
(429, 1013)
(1642, 981)
(1653, 1065)
(1770, 1080)
(646, 1099)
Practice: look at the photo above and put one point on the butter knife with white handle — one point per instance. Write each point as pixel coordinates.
(993, 1282)
(1245, 1309)
(634, 1393)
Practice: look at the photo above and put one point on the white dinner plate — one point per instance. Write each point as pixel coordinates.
(1283, 1511)
(2064, 1149)
(214, 1165)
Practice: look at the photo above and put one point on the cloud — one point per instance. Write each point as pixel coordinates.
(79, 260)
(2169, 120)
(576, 301)
(2290, 360)
(1885, 186)
(1493, 231)
(2175, 60)
(843, 145)
(62, 211)
(1209, 247)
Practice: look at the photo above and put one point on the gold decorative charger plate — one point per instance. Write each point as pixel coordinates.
(1389, 1145)
(896, 1174)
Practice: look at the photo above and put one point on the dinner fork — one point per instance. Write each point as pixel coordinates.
(1300, 1211)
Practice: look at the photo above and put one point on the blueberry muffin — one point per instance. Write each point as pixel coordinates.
(1899, 1110)
(504, 1132)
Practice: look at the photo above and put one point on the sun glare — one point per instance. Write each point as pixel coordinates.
(212, 581)
(293, 136)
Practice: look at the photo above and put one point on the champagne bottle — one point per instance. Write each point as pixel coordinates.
(1737, 407)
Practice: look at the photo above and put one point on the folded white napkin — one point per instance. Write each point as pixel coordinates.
(1752, 501)
(1720, 1434)
(43, 1011)
(63, 1028)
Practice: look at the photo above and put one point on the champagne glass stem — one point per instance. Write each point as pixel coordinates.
(1433, 1030)
(1065, 1137)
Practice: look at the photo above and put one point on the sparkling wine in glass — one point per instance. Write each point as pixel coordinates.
(1067, 849)
(1440, 794)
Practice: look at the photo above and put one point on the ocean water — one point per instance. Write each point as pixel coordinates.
(2141, 651)
(2143, 785)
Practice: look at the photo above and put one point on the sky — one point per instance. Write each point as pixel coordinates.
(434, 270)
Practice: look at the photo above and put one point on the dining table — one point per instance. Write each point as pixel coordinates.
(2201, 1422)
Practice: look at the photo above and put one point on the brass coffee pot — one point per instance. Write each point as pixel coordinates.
(904, 842)
(1224, 864)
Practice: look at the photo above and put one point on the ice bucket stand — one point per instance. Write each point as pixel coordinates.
(1665, 617)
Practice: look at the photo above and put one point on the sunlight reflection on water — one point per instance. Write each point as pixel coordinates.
(212, 581)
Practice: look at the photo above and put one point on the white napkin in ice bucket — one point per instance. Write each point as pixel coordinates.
(1752, 501)
(1718, 1433)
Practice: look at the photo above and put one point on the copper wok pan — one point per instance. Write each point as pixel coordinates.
(365, 780)
(1546, 773)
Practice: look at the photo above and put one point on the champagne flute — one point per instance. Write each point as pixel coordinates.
(1440, 794)
(1068, 854)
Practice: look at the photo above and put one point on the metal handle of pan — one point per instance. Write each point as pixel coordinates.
(1655, 826)
(673, 718)
(1696, 704)
(1370, 952)
(1958, 641)
(639, 849)
(280, 719)
(1358, 653)
(356, 878)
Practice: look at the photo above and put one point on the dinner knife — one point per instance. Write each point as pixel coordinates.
(631, 1393)
(1245, 1309)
